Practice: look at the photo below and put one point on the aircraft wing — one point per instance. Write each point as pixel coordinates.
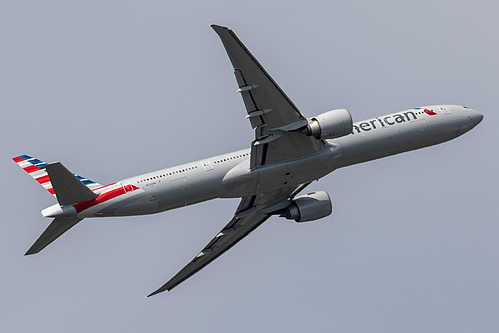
(276, 120)
(250, 214)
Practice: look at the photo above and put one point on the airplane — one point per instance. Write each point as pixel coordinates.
(288, 153)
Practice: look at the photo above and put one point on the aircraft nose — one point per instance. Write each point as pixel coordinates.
(475, 117)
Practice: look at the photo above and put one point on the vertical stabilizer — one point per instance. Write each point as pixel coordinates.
(37, 169)
(68, 188)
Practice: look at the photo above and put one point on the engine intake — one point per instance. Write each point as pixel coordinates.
(309, 207)
(330, 125)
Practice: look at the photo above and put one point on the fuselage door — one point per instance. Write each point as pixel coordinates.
(207, 165)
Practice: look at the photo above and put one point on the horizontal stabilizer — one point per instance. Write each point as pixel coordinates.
(54, 231)
(68, 189)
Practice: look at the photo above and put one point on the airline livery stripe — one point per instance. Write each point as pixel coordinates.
(35, 161)
(23, 164)
(85, 180)
(103, 197)
(38, 174)
(43, 179)
(41, 165)
(102, 187)
(37, 169)
(31, 168)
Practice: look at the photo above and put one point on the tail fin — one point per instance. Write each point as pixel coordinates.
(37, 169)
(59, 226)
(68, 190)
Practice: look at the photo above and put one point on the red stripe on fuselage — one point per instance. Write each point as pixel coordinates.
(100, 188)
(51, 190)
(103, 197)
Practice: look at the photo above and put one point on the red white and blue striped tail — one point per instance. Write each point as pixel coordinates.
(37, 170)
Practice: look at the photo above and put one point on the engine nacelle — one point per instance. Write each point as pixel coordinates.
(309, 207)
(330, 125)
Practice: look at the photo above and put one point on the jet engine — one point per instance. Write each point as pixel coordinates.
(330, 125)
(309, 207)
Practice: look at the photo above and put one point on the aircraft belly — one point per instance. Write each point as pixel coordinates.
(189, 190)
(241, 181)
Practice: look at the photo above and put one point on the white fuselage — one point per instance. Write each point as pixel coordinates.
(229, 175)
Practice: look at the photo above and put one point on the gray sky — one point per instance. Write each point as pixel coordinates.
(117, 88)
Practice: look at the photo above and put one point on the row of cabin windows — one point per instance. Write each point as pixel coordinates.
(168, 174)
(231, 158)
(190, 168)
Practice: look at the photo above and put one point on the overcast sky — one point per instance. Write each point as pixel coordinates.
(113, 89)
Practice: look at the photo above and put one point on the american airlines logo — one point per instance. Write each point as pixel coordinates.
(390, 120)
